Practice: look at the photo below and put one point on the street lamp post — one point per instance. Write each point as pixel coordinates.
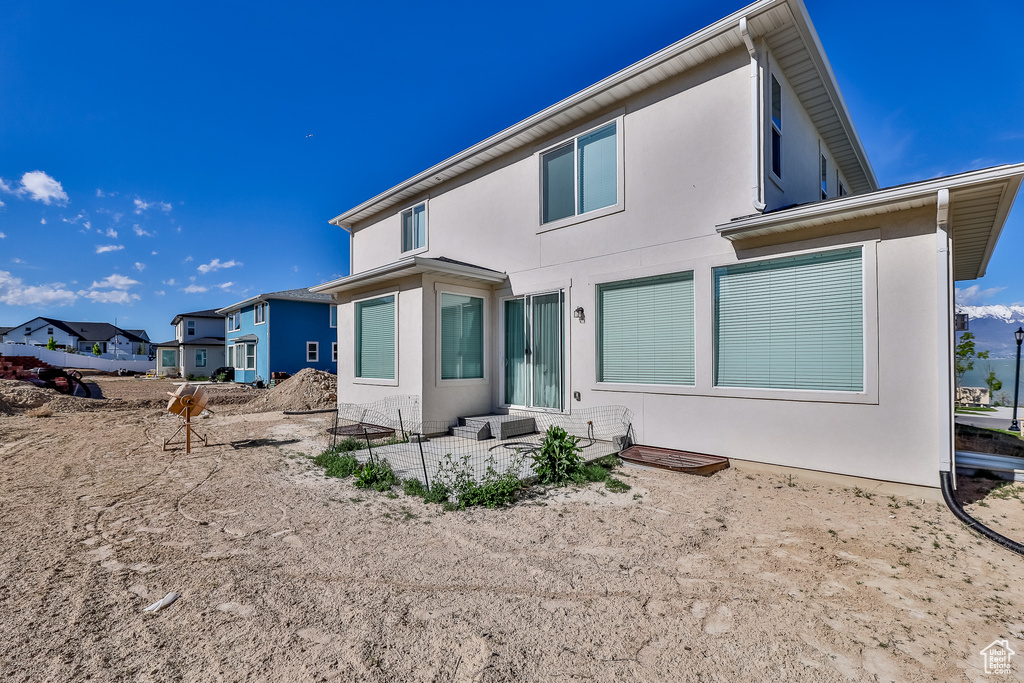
(1019, 334)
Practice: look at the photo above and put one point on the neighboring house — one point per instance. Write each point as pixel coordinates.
(80, 336)
(280, 332)
(700, 238)
(197, 348)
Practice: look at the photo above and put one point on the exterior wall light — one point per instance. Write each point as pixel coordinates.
(578, 314)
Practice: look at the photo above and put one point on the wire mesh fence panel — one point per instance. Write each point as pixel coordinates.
(391, 430)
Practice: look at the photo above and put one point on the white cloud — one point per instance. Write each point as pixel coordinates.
(142, 205)
(2, 236)
(99, 193)
(111, 233)
(975, 293)
(42, 221)
(74, 220)
(87, 225)
(188, 259)
(4, 187)
(13, 292)
(216, 264)
(225, 285)
(140, 266)
(152, 253)
(160, 292)
(17, 260)
(140, 232)
(104, 248)
(170, 283)
(114, 281)
(114, 296)
(194, 289)
(42, 188)
(2, 204)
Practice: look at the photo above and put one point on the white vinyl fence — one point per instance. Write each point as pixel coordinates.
(59, 359)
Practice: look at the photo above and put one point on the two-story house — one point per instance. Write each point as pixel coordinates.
(280, 332)
(80, 337)
(700, 238)
(197, 348)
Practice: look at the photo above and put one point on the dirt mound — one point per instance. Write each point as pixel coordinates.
(308, 389)
(17, 396)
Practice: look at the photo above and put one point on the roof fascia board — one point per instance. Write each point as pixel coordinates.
(409, 266)
(817, 53)
(1004, 210)
(721, 26)
(844, 206)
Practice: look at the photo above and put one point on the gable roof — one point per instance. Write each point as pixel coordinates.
(286, 295)
(208, 313)
(5, 330)
(979, 202)
(786, 29)
(88, 331)
(412, 265)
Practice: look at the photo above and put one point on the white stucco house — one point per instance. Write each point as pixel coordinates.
(80, 337)
(699, 237)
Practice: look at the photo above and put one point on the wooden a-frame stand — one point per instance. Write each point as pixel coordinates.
(189, 404)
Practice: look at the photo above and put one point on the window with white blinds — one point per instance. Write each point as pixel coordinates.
(645, 330)
(581, 175)
(375, 338)
(791, 323)
(462, 336)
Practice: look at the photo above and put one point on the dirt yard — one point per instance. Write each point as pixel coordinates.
(286, 575)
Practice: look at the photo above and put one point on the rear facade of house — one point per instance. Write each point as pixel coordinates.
(699, 238)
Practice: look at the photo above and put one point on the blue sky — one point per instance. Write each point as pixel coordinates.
(163, 157)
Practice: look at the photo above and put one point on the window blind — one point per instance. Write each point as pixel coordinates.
(375, 338)
(597, 168)
(646, 330)
(462, 337)
(791, 323)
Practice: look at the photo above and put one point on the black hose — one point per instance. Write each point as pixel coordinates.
(958, 511)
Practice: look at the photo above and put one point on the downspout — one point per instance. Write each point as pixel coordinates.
(944, 307)
(755, 119)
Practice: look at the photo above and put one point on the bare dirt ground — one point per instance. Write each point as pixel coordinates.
(288, 576)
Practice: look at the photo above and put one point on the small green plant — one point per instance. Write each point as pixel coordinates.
(616, 485)
(493, 490)
(51, 344)
(337, 463)
(376, 475)
(558, 459)
(437, 493)
(96, 349)
(190, 377)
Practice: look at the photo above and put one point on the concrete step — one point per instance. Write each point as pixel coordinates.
(474, 432)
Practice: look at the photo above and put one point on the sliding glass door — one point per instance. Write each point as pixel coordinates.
(535, 350)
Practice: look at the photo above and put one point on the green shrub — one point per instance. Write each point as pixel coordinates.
(438, 493)
(558, 459)
(348, 444)
(495, 489)
(616, 485)
(336, 464)
(376, 475)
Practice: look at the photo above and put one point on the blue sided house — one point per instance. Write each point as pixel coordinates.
(281, 332)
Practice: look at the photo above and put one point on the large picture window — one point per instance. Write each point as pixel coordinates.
(791, 323)
(580, 175)
(375, 338)
(645, 330)
(200, 358)
(462, 336)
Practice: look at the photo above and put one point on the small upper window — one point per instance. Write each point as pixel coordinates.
(191, 325)
(334, 316)
(842, 188)
(580, 175)
(260, 314)
(414, 227)
(776, 128)
(824, 178)
(49, 330)
(234, 321)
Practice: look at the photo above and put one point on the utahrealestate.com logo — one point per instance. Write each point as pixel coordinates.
(997, 657)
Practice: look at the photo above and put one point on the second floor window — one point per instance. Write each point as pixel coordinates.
(580, 175)
(824, 178)
(191, 326)
(414, 227)
(234, 321)
(776, 128)
(260, 314)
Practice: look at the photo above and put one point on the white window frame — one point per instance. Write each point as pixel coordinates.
(823, 172)
(426, 232)
(205, 358)
(620, 181)
(259, 313)
(332, 316)
(190, 327)
(234, 321)
(334, 352)
(313, 346)
(461, 291)
(246, 345)
(231, 356)
(380, 294)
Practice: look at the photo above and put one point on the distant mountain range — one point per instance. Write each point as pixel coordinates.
(993, 328)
